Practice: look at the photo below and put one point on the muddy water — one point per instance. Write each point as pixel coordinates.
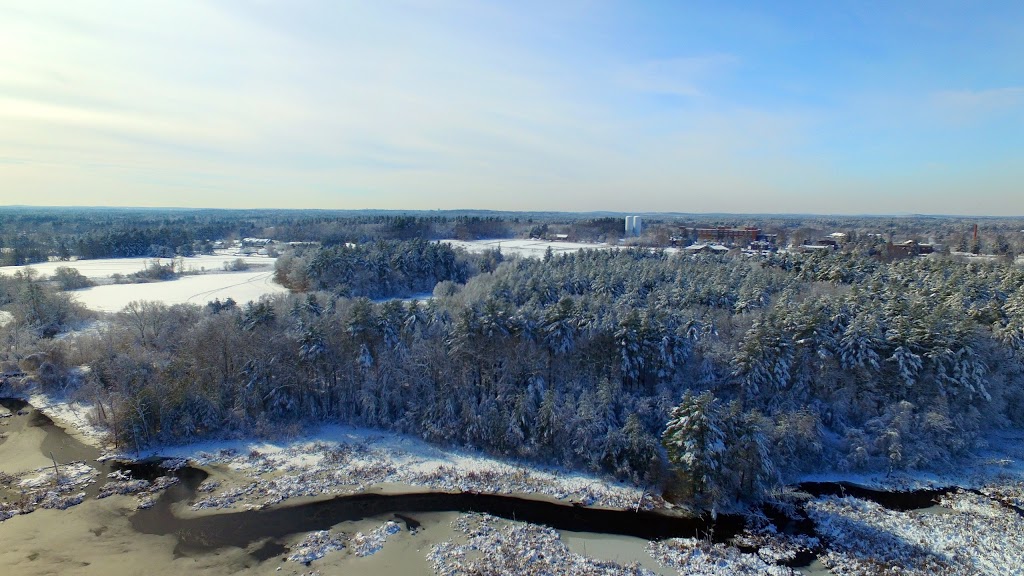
(31, 438)
(618, 549)
(33, 441)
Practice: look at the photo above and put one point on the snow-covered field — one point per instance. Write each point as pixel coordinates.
(239, 286)
(209, 282)
(534, 248)
(528, 248)
(104, 268)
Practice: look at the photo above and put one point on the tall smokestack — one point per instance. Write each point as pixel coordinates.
(975, 231)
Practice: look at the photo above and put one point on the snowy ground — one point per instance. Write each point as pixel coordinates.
(495, 546)
(344, 460)
(528, 248)
(696, 557)
(1001, 462)
(239, 286)
(103, 268)
(969, 534)
(69, 415)
(534, 248)
(209, 281)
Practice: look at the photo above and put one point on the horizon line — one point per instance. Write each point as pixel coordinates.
(457, 210)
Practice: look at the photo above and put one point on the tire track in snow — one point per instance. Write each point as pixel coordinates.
(265, 277)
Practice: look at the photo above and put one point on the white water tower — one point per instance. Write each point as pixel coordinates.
(634, 225)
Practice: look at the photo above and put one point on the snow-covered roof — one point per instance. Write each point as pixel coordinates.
(699, 247)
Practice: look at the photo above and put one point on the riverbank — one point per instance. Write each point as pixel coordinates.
(299, 485)
(332, 460)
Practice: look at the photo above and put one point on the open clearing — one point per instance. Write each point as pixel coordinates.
(103, 268)
(206, 280)
(520, 247)
(239, 286)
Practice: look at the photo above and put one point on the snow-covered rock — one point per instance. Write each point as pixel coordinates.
(696, 557)
(316, 545)
(369, 544)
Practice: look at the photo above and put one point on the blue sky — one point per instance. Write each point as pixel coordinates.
(823, 107)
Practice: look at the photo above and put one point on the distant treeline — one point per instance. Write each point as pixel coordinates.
(37, 235)
(30, 235)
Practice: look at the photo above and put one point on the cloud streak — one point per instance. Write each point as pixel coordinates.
(972, 105)
(682, 76)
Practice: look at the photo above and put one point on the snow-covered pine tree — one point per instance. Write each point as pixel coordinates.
(748, 459)
(695, 442)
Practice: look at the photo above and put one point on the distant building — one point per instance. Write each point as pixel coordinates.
(819, 245)
(256, 241)
(705, 249)
(722, 234)
(815, 247)
(728, 236)
(761, 246)
(907, 249)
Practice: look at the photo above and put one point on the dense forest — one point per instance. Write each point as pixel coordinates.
(717, 377)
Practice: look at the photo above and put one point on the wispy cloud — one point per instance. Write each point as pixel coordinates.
(682, 76)
(973, 105)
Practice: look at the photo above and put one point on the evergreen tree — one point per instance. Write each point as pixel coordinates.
(694, 440)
